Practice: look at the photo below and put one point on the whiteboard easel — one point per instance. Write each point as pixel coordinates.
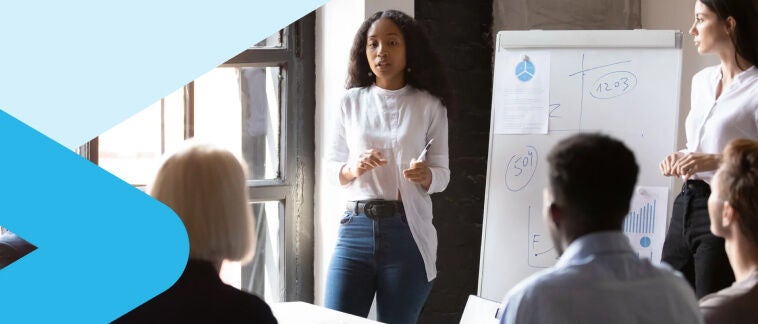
(624, 83)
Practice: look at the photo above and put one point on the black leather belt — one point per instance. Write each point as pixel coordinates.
(375, 209)
(698, 187)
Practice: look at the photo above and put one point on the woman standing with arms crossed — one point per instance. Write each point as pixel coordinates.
(394, 106)
(724, 107)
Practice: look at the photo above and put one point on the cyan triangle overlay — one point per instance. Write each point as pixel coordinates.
(103, 247)
(73, 69)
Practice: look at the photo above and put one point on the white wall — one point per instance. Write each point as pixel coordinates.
(336, 24)
(406, 6)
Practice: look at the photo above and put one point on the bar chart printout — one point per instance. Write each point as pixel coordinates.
(645, 225)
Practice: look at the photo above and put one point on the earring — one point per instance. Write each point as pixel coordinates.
(370, 74)
(408, 70)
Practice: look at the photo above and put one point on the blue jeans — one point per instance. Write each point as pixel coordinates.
(691, 248)
(377, 256)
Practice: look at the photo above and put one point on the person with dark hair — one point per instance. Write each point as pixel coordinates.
(724, 107)
(599, 278)
(733, 208)
(389, 151)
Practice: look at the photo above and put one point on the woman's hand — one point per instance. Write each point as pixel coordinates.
(667, 165)
(367, 161)
(419, 173)
(692, 163)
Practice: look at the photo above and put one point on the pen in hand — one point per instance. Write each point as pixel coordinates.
(419, 173)
(422, 156)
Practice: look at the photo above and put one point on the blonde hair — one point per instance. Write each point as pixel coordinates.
(206, 187)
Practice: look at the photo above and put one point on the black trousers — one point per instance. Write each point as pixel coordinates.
(691, 248)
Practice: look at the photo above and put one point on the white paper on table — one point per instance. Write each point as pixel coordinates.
(521, 92)
(645, 224)
(480, 311)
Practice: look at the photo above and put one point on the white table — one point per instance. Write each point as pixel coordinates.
(301, 312)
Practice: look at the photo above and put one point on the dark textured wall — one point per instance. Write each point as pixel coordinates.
(460, 31)
(574, 14)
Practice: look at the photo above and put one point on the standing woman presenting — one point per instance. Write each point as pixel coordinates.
(394, 107)
(724, 107)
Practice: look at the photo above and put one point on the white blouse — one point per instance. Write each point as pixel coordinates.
(712, 123)
(398, 123)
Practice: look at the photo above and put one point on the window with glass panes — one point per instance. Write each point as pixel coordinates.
(260, 105)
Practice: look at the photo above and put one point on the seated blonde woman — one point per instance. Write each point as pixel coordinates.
(206, 187)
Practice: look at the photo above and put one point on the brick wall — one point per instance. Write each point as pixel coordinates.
(460, 30)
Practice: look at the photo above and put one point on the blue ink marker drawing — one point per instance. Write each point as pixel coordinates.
(525, 69)
(521, 168)
(540, 250)
(582, 71)
(613, 84)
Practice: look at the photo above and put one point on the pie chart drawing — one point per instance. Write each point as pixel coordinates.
(525, 70)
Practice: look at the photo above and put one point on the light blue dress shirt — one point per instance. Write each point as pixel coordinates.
(600, 279)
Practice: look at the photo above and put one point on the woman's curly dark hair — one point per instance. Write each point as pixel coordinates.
(426, 72)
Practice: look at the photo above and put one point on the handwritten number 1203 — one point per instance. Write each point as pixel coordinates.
(619, 83)
(613, 84)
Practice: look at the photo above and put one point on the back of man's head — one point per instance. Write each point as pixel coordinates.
(738, 183)
(592, 177)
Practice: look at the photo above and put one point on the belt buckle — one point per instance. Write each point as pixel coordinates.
(368, 209)
(379, 209)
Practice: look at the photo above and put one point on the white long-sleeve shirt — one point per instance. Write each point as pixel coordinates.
(712, 123)
(398, 123)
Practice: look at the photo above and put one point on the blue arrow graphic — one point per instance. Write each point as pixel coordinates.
(103, 247)
(72, 71)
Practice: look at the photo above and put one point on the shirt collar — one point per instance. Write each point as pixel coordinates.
(390, 93)
(742, 76)
(739, 78)
(586, 247)
(197, 268)
(715, 75)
